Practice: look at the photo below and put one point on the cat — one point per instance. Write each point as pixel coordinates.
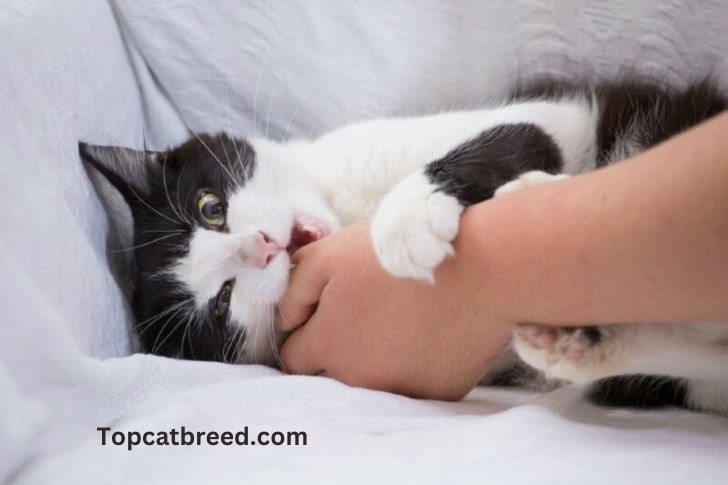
(217, 218)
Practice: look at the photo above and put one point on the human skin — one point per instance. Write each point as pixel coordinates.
(644, 241)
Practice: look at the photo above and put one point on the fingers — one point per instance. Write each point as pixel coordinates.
(307, 282)
(298, 355)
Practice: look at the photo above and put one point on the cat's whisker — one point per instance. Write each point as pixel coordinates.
(156, 347)
(179, 179)
(273, 342)
(227, 346)
(170, 317)
(153, 275)
(230, 163)
(182, 340)
(290, 122)
(150, 207)
(232, 348)
(285, 299)
(166, 191)
(232, 133)
(189, 324)
(255, 93)
(198, 328)
(271, 337)
(267, 116)
(289, 125)
(243, 168)
(254, 339)
(239, 344)
(148, 243)
(313, 129)
(186, 332)
(189, 340)
(143, 326)
(170, 231)
(217, 159)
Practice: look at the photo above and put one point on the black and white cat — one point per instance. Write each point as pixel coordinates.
(216, 220)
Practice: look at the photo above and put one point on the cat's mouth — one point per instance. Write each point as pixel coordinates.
(306, 230)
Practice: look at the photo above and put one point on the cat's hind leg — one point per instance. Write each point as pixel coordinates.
(576, 354)
(691, 361)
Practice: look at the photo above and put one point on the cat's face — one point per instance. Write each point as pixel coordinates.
(215, 223)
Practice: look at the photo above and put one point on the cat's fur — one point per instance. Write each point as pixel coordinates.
(413, 177)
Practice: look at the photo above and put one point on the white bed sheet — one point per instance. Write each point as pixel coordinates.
(295, 67)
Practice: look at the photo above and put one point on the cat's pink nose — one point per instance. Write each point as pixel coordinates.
(266, 250)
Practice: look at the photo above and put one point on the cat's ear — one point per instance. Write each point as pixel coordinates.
(130, 171)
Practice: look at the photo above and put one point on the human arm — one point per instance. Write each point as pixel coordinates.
(642, 241)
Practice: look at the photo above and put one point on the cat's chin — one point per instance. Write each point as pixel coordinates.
(306, 230)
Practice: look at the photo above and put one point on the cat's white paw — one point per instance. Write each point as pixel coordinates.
(579, 354)
(414, 227)
(529, 179)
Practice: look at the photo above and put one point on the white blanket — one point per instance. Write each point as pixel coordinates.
(81, 69)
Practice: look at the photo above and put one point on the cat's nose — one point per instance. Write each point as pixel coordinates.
(266, 249)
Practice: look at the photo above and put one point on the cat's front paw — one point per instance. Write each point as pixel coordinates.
(414, 227)
(578, 354)
(529, 179)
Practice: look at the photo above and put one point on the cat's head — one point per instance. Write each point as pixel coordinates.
(215, 222)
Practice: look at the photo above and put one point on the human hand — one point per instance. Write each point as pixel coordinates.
(354, 322)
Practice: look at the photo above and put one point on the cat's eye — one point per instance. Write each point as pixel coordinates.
(222, 301)
(212, 210)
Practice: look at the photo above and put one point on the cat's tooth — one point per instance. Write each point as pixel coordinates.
(314, 229)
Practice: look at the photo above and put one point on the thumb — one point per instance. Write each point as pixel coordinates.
(307, 281)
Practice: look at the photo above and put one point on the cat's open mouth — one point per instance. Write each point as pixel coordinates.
(305, 230)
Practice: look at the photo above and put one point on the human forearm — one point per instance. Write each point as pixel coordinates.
(634, 242)
(646, 240)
